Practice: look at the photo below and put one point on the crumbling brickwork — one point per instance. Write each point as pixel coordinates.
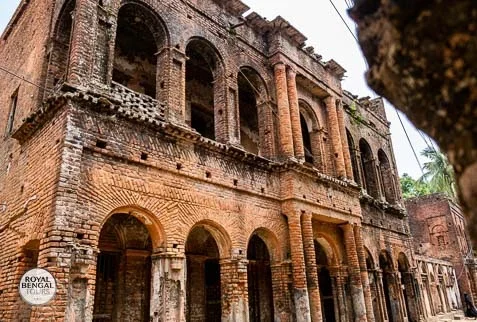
(439, 229)
(182, 162)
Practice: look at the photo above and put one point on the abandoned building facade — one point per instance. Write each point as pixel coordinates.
(181, 162)
(441, 241)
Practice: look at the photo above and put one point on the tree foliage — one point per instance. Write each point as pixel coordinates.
(438, 172)
(438, 177)
(413, 188)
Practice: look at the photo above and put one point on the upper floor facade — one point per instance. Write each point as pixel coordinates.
(240, 81)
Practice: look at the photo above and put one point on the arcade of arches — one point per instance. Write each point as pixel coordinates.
(205, 283)
(245, 190)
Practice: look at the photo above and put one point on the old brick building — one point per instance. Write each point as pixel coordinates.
(441, 242)
(181, 162)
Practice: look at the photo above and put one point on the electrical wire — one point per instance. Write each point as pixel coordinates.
(349, 4)
(409, 140)
(24, 79)
(344, 21)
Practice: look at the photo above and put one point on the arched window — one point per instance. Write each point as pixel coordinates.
(253, 114)
(139, 37)
(370, 182)
(387, 177)
(203, 74)
(354, 159)
(310, 135)
(59, 56)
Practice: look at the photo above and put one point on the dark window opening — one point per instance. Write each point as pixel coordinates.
(370, 182)
(11, 115)
(387, 180)
(249, 132)
(305, 135)
(135, 62)
(354, 161)
(121, 237)
(203, 289)
(60, 54)
(200, 90)
(259, 275)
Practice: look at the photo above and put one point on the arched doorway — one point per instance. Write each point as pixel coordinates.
(203, 277)
(371, 268)
(123, 271)
(408, 288)
(389, 287)
(259, 276)
(325, 283)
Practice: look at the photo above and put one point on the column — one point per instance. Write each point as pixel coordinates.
(335, 136)
(339, 277)
(364, 273)
(356, 286)
(168, 287)
(171, 83)
(344, 142)
(281, 295)
(234, 288)
(82, 42)
(311, 269)
(284, 126)
(381, 295)
(300, 292)
(295, 115)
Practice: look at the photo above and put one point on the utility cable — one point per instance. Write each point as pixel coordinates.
(344, 21)
(399, 117)
(24, 79)
(409, 140)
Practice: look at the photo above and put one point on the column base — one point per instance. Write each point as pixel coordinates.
(302, 305)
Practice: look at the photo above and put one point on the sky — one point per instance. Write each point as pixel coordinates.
(325, 31)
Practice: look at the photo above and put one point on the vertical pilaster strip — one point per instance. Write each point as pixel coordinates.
(344, 142)
(335, 136)
(83, 37)
(295, 115)
(234, 287)
(284, 127)
(300, 292)
(364, 273)
(340, 292)
(381, 296)
(311, 269)
(356, 285)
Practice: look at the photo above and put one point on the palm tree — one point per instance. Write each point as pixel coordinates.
(439, 173)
